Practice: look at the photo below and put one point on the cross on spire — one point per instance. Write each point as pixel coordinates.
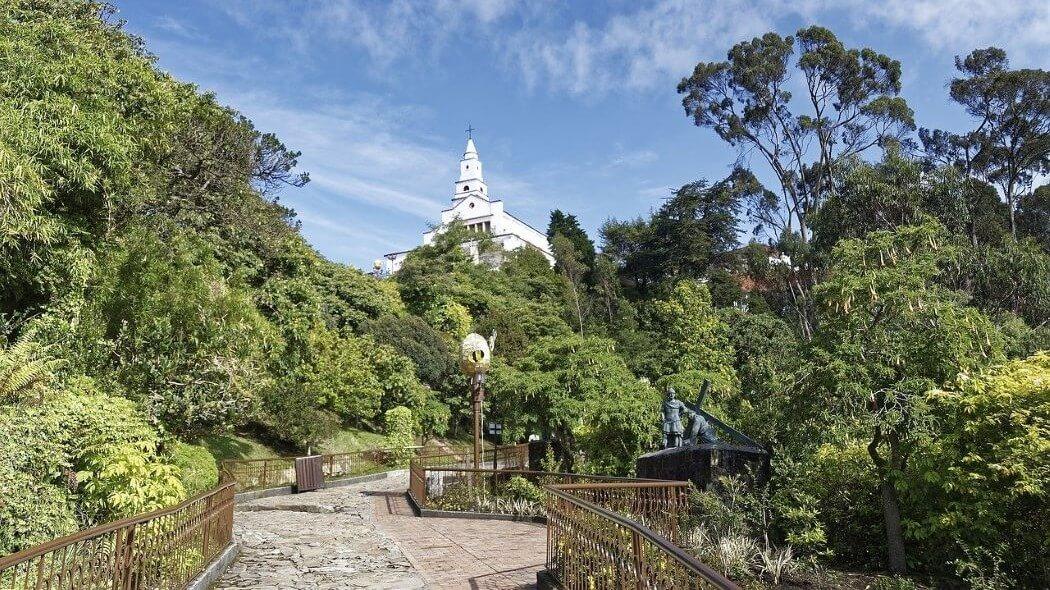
(470, 131)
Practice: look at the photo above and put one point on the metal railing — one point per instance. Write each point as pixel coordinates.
(464, 489)
(257, 474)
(163, 549)
(273, 472)
(509, 456)
(620, 535)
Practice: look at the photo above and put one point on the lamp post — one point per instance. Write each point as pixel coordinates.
(475, 358)
(495, 429)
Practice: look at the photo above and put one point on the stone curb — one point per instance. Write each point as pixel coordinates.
(215, 568)
(335, 483)
(428, 513)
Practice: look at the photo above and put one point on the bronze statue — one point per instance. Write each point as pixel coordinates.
(673, 409)
(700, 430)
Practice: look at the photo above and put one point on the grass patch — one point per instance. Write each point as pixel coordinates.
(348, 439)
(236, 446)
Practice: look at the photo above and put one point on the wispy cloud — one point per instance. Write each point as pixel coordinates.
(633, 158)
(176, 27)
(1022, 27)
(639, 48)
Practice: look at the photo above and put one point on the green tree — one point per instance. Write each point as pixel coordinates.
(159, 320)
(851, 104)
(574, 271)
(567, 225)
(578, 392)
(1033, 216)
(1012, 108)
(889, 334)
(690, 342)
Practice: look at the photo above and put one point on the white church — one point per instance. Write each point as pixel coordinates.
(472, 205)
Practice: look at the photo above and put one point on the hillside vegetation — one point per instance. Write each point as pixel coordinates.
(885, 330)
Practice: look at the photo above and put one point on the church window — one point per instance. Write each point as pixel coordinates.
(466, 187)
(472, 205)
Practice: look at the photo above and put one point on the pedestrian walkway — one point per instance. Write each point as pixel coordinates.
(454, 553)
(365, 536)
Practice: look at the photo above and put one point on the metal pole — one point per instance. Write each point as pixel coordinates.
(477, 395)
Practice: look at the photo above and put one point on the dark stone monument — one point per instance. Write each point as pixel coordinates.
(702, 455)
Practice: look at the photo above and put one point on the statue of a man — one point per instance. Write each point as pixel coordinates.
(673, 409)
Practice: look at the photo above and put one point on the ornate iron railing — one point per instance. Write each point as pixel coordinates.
(620, 535)
(165, 549)
(461, 489)
(257, 474)
(509, 456)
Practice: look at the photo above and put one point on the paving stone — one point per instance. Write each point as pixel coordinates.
(366, 536)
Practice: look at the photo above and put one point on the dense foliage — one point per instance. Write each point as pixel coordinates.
(885, 332)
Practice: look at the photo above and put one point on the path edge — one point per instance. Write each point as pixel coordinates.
(215, 569)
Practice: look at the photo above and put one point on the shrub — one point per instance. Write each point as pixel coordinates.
(31, 511)
(125, 480)
(519, 488)
(983, 484)
(399, 428)
(101, 447)
(198, 471)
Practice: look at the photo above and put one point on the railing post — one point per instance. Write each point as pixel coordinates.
(207, 524)
(636, 547)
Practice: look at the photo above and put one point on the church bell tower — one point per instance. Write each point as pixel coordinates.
(471, 181)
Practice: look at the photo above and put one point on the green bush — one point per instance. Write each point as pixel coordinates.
(982, 486)
(399, 428)
(31, 511)
(520, 488)
(198, 471)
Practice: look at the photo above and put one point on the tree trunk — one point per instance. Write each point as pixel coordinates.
(891, 508)
(891, 514)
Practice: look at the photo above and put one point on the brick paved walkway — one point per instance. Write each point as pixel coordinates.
(455, 553)
(365, 536)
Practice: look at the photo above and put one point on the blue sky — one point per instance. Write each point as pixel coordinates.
(574, 103)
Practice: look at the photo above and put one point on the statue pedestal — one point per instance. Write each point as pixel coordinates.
(702, 463)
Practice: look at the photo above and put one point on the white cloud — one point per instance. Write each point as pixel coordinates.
(634, 48)
(633, 158)
(1022, 27)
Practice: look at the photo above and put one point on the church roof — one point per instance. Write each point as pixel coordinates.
(471, 149)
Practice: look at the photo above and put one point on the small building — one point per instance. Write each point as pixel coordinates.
(472, 204)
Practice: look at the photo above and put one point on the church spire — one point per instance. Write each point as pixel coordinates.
(471, 181)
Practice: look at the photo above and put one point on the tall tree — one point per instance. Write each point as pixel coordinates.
(567, 225)
(851, 100)
(570, 264)
(1033, 216)
(1011, 142)
(689, 232)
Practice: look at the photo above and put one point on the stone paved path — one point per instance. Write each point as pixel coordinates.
(325, 539)
(365, 536)
(454, 553)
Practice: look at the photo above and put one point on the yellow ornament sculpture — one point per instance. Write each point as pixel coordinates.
(475, 354)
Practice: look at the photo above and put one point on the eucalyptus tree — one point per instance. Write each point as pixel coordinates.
(850, 103)
(1011, 142)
